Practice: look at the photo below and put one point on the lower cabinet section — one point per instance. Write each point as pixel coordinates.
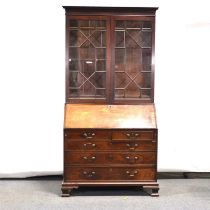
(84, 173)
(98, 157)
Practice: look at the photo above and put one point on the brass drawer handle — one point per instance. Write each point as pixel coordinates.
(92, 158)
(132, 173)
(89, 174)
(134, 158)
(89, 144)
(132, 146)
(88, 135)
(132, 135)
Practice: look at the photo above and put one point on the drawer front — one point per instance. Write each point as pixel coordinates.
(144, 173)
(88, 134)
(109, 158)
(108, 145)
(133, 135)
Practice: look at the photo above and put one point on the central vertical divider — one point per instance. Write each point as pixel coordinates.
(112, 68)
(108, 61)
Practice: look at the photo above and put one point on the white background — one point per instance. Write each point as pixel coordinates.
(32, 77)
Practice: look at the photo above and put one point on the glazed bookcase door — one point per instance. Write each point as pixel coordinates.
(132, 59)
(87, 60)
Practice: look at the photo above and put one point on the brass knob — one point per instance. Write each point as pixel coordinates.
(93, 145)
(128, 134)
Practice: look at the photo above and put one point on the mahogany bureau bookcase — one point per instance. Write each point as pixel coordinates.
(110, 130)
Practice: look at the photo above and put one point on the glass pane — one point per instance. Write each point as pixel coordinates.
(73, 92)
(76, 79)
(119, 56)
(133, 24)
(100, 65)
(147, 25)
(134, 35)
(146, 93)
(146, 38)
(87, 58)
(132, 91)
(133, 42)
(101, 53)
(87, 67)
(92, 24)
(119, 93)
(100, 24)
(87, 90)
(73, 53)
(121, 80)
(133, 56)
(120, 24)
(73, 23)
(143, 80)
(85, 23)
(120, 59)
(98, 39)
(130, 41)
(73, 65)
(98, 79)
(120, 38)
(87, 51)
(146, 59)
(100, 93)
(76, 38)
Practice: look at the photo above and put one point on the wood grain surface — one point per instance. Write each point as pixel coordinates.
(110, 116)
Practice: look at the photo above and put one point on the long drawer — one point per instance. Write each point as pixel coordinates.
(110, 145)
(71, 157)
(83, 173)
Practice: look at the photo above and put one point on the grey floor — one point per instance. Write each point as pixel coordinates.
(177, 194)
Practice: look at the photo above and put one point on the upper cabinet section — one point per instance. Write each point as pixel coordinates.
(110, 55)
(133, 41)
(86, 56)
